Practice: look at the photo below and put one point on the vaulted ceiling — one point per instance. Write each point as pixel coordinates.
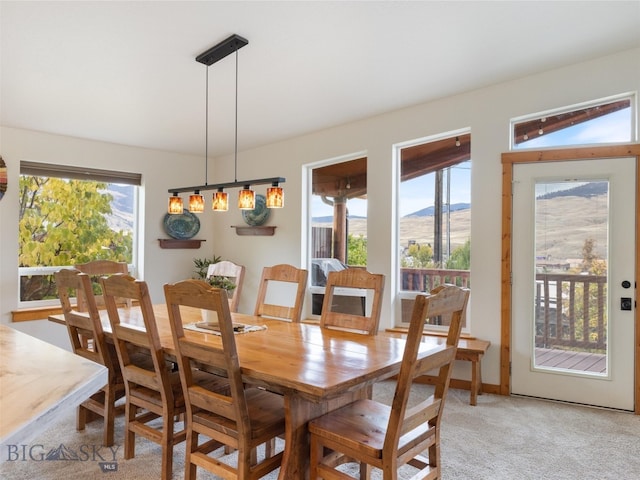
(125, 72)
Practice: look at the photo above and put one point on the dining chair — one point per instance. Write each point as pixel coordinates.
(390, 436)
(84, 325)
(332, 316)
(99, 268)
(274, 276)
(152, 391)
(225, 268)
(242, 419)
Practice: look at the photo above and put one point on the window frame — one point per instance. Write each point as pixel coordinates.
(399, 293)
(40, 169)
(633, 134)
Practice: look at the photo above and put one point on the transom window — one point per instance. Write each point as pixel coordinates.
(604, 121)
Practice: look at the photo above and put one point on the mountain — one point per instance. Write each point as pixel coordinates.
(429, 211)
(586, 190)
(425, 212)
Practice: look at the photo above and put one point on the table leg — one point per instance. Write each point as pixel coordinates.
(298, 412)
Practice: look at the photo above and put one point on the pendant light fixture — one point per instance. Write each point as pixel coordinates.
(220, 199)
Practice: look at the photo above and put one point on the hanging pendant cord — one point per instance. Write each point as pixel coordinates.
(235, 146)
(206, 128)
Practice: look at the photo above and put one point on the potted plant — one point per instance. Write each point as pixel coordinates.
(202, 266)
(220, 281)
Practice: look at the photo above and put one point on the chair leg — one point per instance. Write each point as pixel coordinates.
(109, 416)
(129, 436)
(167, 446)
(365, 471)
(316, 452)
(81, 418)
(192, 445)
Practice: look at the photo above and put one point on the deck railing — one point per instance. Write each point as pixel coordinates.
(425, 280)
(581, 311)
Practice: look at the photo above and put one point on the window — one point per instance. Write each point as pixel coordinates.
(71, 215)
(604, 121)
(338, 217)
(434, 212)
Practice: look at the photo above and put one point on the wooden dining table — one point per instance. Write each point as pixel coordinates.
(37, 382)
(316, 370)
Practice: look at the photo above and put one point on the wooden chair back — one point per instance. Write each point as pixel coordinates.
(353, 278)
(228, 418)
(387, 437)
(88, 340)
(225, 268)
(282, 273)
(450, 303)
(99, 268)
(153, 391)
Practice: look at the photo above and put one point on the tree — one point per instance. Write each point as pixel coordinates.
(356, 250)
(62, 223)
(460, 258)
(418, 256)
(586, 322)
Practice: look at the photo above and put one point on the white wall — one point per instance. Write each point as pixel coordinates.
(485, 111)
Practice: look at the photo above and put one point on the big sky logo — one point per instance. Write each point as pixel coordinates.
(105, 457)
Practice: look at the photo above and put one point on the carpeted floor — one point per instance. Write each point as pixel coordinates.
(502, 438)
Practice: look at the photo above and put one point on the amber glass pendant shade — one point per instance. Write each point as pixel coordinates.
(275, 197)
(196, 203)
(175, 204)
(220, 202)
(246, 199)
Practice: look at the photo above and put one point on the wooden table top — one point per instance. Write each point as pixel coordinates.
(38, 380)
(312, 362)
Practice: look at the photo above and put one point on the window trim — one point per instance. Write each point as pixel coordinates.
(399, 294)
(40, 169)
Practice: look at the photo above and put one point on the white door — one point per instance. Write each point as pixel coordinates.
(573, 281)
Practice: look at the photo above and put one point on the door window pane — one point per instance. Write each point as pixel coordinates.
(571, 259)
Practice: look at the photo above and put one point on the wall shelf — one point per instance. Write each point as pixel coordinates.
(175, 243)
(263, 230)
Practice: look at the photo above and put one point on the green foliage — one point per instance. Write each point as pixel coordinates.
(356, 250)
(202, 266)
(62, 223)
(220, 281)
(418, 256)
(460, 258)
(586, 320)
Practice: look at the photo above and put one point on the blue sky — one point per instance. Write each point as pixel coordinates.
(418, 193)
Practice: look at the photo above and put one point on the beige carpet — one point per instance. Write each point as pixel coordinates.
(501, 438)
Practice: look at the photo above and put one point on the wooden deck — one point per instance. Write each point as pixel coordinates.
(580, 361)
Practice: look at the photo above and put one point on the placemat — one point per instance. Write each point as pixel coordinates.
(213, 328)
